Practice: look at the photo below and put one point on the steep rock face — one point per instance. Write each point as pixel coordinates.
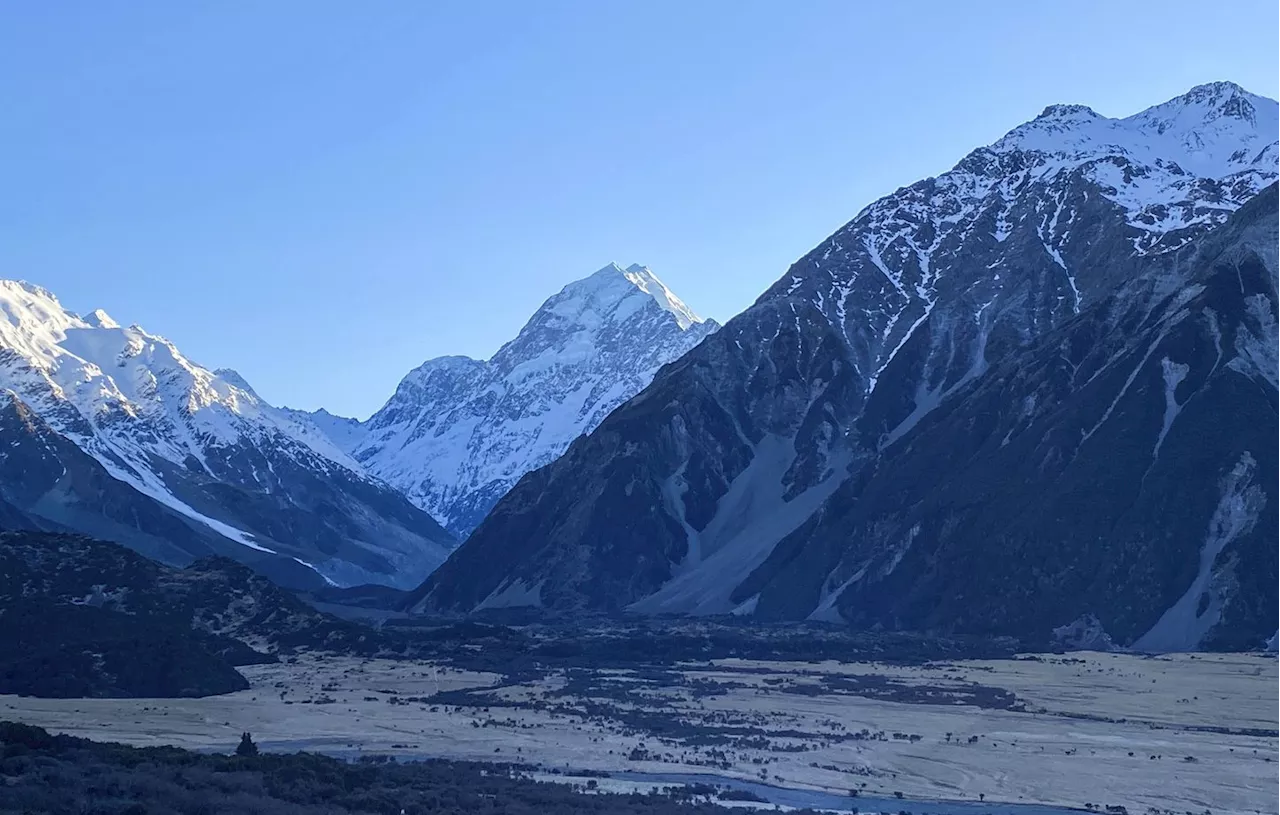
(686, 490)
(458, 432)
(198, 443)
(606, 530)
(1122, 469)
(51, 484)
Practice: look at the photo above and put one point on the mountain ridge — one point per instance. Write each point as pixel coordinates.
(865, 336)
(1118, 444)
(459, 432)
(199, 443)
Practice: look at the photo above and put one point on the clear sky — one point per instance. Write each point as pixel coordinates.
(321, 195)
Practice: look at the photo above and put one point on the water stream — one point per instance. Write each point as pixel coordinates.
(783, 796)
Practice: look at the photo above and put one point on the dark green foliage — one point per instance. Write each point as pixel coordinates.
(215, 596)
(43, 775)
(59, 592)
(80, 617)
(53, 649)
(596, 641)
(246, 747)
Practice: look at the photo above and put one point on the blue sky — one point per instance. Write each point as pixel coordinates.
(324, 194)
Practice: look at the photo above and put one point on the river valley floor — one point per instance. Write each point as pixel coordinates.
(1185, 733)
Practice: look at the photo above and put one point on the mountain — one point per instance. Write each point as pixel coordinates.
(458, 433)
(45, 476)
(1116, 477)
(783, 422)
(113, 432)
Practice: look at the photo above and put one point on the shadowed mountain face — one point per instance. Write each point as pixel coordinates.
(112, 432)
(760, 473)
(45, 476)
(1121, 471)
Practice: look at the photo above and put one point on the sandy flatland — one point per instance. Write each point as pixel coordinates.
(1175, 741)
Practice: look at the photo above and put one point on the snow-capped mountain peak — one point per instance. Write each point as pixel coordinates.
(645, 280)
(30, 289)
(30, 317)
(1062, 112)
(100, 319)
(105, 370)
(1170, 172)
(459, 432)
(232, 377)
(1049, 258)
(1214, 100)
(1211, 131)
(170, 428)
(613, 293)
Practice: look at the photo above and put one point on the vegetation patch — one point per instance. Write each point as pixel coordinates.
(41, 773)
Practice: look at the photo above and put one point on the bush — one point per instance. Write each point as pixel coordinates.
(246, 747)
(47, 774)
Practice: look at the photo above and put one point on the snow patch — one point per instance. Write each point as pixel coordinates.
(1258, 355)
(750, 519)
(826, 611)
(1185, 624)
(1085, 435)
(514, 594)
(747, 607)
(313, 568)
(673, 490)
(1174, 373)
(149, 484)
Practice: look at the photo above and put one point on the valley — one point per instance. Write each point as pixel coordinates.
(1177, 733)
(952, 489)
(1032, 397)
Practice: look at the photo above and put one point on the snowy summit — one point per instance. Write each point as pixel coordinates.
(459, 432)
(199, 443)
(907, 423)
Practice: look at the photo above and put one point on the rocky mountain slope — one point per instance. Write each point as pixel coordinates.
(112, 431)
(773, 427)
(459, 432)
(1113, 482)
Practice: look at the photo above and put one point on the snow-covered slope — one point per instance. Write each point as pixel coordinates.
(106, 373)
(846, 355)
(204, 444)
(1167, 173)
(458, 432)
(1117, 475)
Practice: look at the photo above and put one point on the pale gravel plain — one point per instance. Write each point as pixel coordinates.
(1041, 755)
